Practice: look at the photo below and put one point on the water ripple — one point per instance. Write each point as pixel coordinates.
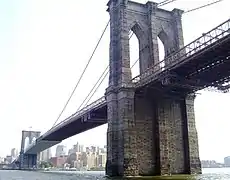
(209, 174)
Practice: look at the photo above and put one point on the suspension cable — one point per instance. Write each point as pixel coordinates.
(94, 87)
(165, 2)
(131, 34)
(97, 87)
(82, 72)
(135, 63)
(102, 81)
(203, 6)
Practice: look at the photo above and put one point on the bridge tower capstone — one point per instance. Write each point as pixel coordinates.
(147, 134)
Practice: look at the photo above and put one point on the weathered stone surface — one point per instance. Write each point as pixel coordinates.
(144, 117)
(28, 160)
(171, 137)
(193, 146)
(178, 141)
(147, 135)
(28, 134)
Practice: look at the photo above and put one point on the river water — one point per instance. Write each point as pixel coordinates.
(208, 174)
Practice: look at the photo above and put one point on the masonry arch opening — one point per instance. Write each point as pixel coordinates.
(161, 54)
(161, 50)
(134, 54)
(26, 142)
(33, 140)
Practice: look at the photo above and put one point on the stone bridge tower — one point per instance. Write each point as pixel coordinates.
(31, 135)
(147, 135)
(27, 161)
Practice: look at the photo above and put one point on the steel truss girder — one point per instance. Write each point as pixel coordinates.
(191, 85)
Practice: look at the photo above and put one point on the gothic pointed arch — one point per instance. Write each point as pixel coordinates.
(165, 40)
(138, 29)
(28, 137)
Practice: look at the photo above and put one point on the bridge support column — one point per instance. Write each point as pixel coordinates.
(21, 160)
(146, 134)
(28, 161)
(177, 137)
(121, 135)
(193, 161)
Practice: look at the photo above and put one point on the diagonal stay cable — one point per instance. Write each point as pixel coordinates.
(105, 75)
(131, 34)
(102, 81)
(94, 87)
(82, 72)
(97, 88)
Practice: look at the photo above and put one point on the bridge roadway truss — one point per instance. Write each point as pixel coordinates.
(202, 64)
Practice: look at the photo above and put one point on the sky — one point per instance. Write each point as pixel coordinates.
(44, 46)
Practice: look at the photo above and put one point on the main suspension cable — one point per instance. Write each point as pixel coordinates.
(131, 34)
(165, 2)
(94, 87)
(82, 73)
(203, 6)
(101, 83)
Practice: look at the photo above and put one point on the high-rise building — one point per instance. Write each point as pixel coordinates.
(93, 149)
(76, 147)
(102, 160)
(58, 162)
(84, 159)
(76, 156)
(81, 148)
(87, 150)
(14, 153)
(71, 151)
(227, 161)
(91, 160)
(61, 150)
(45, 155)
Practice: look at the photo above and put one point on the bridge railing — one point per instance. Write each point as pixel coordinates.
(94, 104)
(200, 43)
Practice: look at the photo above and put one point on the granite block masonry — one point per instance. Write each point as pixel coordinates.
(27, 161)
(149, 133)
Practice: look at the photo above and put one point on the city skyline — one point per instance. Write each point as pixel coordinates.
(43, 49)
(61, 150)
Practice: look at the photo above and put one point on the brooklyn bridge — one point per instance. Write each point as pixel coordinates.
(151, 122)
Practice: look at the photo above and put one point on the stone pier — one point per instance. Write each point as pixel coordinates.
(149, 133)
(28, 161)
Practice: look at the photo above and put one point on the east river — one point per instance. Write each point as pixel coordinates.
(208, 174)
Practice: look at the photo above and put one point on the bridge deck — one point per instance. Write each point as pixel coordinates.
(88, 119)
(204, 62)
(209, 67)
